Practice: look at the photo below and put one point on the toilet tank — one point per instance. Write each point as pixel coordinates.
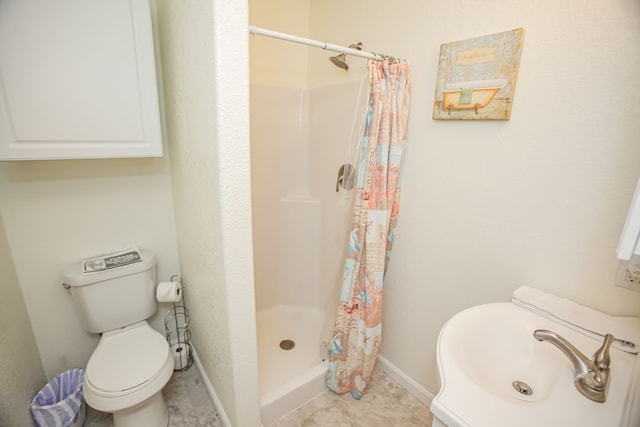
(116, 298)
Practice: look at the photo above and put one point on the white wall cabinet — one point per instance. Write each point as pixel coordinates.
(77, 80)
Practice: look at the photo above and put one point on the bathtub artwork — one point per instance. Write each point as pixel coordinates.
(477, 77)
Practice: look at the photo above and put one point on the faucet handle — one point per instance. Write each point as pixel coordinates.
(601, 357)
(598, 378)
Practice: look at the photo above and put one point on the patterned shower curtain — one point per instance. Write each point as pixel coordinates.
(357, 331)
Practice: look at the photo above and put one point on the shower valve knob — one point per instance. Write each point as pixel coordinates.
(345, 177)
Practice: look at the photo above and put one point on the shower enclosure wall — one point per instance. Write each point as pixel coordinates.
(299, 140)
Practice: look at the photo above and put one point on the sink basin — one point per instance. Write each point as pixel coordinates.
(484, 350)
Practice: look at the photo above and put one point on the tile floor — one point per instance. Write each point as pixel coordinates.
(385, 403)
(188, 400)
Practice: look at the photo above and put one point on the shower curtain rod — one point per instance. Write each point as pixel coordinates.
(322, 45)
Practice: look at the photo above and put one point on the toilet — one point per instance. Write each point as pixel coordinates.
(132, 363)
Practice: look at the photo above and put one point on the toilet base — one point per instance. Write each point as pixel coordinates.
(153, 412)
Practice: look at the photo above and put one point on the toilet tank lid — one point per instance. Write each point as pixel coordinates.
(73, 275)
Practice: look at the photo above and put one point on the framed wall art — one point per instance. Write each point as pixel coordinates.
(477, 77)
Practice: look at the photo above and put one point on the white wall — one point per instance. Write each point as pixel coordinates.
(21, 372)
(204, 48)
(61, 211)
(488, 206)
(273, 62)
(286, 221)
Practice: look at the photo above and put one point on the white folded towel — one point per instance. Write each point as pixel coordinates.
(588, 321)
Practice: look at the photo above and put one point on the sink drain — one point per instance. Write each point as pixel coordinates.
(287, 344)
(522, 388)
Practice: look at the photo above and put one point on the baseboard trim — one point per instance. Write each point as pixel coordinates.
(404, 380)
(212, 393)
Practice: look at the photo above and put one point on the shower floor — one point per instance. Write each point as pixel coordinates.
(303, 326)
(289, 378)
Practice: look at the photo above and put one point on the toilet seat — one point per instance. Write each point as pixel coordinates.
(128, 366)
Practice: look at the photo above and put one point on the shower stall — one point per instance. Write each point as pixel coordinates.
(300, 138)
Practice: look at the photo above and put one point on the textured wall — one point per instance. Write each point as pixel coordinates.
(21, 372)
(231, 47)
(206, 111)
(488, 206)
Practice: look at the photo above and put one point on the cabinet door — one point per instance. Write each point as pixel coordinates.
(77, 80)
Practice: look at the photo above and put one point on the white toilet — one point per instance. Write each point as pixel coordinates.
(132, 363)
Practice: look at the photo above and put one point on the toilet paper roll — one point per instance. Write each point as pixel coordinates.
(168, 292)
(180, 355)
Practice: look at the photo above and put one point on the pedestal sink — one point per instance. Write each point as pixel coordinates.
(494, 373)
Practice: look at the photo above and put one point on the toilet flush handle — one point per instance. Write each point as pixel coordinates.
(66, 286)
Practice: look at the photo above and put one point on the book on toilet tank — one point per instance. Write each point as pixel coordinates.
(112, 260)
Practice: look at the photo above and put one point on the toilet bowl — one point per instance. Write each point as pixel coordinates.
(132, 363)
(126, 372)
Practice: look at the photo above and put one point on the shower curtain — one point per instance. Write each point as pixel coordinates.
(357, 330)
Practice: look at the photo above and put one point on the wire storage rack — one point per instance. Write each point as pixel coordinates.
(176, 325)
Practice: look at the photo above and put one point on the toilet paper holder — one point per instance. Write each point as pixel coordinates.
(176, 325)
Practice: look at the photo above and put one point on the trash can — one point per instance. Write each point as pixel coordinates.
(60, 403)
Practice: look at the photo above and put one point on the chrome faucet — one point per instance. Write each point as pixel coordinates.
(591, 377)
